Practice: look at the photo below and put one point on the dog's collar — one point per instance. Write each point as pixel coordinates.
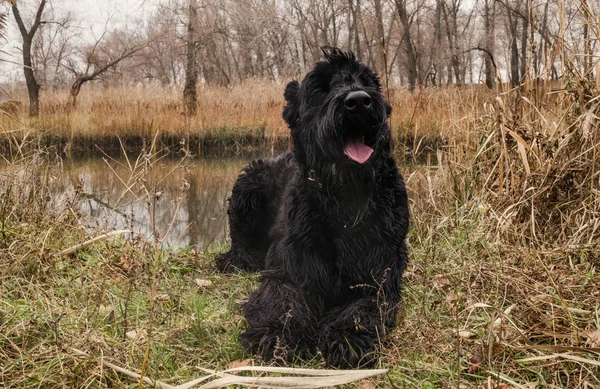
(314, 180)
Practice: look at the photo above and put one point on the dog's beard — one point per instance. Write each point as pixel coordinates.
(345, 137)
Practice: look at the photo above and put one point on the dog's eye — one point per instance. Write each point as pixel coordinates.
(348, 78)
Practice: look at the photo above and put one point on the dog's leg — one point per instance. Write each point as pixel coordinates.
(249, 220)
(350, 334)
(281, 322)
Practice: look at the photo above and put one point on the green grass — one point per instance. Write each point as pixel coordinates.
(94, 300)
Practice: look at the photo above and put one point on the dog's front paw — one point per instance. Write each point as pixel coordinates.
(269, 344)
(349, 351)
(224, 262)
(236, 259)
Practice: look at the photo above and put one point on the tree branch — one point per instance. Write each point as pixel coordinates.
(20, 23)
(38, 18)
(518, 13)
(99, 71)
(486, 51)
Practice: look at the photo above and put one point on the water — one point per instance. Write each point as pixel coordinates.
(181, 203)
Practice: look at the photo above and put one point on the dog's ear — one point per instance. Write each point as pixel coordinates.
(290, 112)
(388, 109)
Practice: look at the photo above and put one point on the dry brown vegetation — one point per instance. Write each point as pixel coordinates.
(251, 108)
(507, 224)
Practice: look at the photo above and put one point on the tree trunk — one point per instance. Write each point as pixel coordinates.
(411, 59)
(74, 92)
(451, 32)
(382, 62)
(334, 26)
(489, 15)
(33, 88)
(514, 49)
(191, 74)
(543, 43)
(587, 40)
(355, 10)
(437, 47)
(524, 39)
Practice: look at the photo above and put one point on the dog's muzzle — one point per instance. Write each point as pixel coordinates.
(357, 105)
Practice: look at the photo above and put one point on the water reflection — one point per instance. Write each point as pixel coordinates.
(182, 203)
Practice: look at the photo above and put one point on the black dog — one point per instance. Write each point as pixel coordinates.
(326, 223)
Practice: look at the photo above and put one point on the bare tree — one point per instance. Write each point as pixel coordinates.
(411, 59)
(525, 37)
(98, 59)
(450, 19)
(191, 73)
(489, 28)
(163, 59)
(52, 47)
(354, 26)
(588, 53)
(382, 60)
(420, 41)
(436, 47)
(33, 88)
(512, 29)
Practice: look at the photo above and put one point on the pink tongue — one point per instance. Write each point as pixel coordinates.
(357, 150)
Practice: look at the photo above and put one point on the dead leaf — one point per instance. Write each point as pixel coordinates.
(111, 316)
(203, 283)
(498, 322)
(465, 334)
(442, 282)
(138, 336)
(475, 363)
(238, 363)
(97, 339)
(162, 297)
(366, 384)
(593, 338)
(124, 263)
(451, 300)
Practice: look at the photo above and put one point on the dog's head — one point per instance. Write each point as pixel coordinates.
(338, 115)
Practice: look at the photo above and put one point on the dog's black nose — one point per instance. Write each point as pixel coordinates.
(357, 101)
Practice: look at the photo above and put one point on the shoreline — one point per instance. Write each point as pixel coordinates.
(221, 146)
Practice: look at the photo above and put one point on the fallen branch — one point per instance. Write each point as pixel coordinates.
(79, 246)
(311, 378)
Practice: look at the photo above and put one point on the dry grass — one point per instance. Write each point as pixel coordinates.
(506, 246)
(251, 108)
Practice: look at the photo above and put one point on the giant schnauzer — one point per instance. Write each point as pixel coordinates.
(326, 223)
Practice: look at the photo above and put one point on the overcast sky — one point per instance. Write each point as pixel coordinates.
(92, 15)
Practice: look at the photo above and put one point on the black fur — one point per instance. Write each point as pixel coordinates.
(327, 232)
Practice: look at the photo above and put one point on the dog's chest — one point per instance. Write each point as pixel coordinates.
(363, 251)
